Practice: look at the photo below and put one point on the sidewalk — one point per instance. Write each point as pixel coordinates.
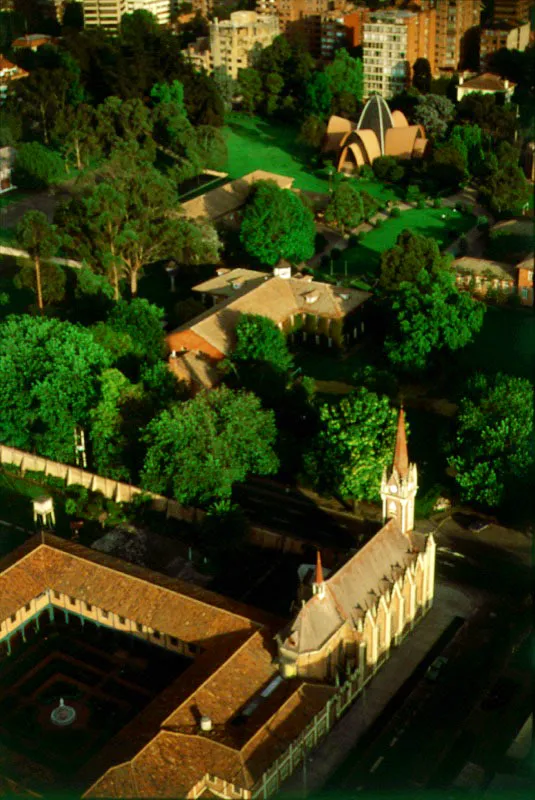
(450, 601)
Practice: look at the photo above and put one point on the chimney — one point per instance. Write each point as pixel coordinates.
(506, 83)
(206, 724)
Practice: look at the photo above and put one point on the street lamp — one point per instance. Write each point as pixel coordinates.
(172, 268)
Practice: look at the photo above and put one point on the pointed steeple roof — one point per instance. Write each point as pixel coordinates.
(319, 569)
(401, 454)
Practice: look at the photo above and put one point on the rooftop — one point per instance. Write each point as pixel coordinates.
(479, 266)
(163, 746)
(273, 297)
(218, 202)
(487, 81)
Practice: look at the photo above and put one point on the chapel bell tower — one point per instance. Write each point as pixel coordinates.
(400, 484)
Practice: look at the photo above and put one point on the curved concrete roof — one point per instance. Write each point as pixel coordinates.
(400, 141)
(370, 143)
(337, 130)
(356, 149)
(399, 119)
(376, 117)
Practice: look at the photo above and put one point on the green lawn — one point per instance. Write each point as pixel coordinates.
(254, 143)
(364, 258)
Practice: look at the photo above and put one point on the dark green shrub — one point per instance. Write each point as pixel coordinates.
(37, 475)
(325, 260)
(437, 203)
(378, 222)
(353, 240)
(483, 223)
(55, 482)
(421, 203)
(366, 173)
(336, 253)
(11, 468)
(395, 212)
(320, 243)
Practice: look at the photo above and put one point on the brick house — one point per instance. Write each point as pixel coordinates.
(525, 281)
(297, 304)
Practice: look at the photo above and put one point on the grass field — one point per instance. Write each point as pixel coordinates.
(364, 258)
(255, 144)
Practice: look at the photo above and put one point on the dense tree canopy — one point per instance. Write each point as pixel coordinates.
(494, 440)
(506, 190)
(345, 78)
(430, 314)
(404, 262)
(37, 167)
(49, 382)
(346, 207)
(276, 225)
(422, 75)
(434, 113)
(259, 339)
(354, 444)
(199, 449)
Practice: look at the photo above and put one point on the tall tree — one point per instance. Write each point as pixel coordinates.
(49, 382)
(346, 208)
(346, 82)
(430, 314)
(276, 225)
(259, 339)
(318, 95)
(37, 167)
(421, 75)
(435, 113)
(199, 449)
(506, 191)
(250, 88)
(35, 235)
(109, 429)
(493, 444)
(404, 262)
(121, 122)
(75, 133)
(353, 446)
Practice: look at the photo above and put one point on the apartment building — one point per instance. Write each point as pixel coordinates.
(455, 18)
(339, 29)
(301, 20)
(107, 13)
(233, 43)
(392, 41)
(503, 33)
(513, 10)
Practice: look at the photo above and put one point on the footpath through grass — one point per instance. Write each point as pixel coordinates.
(438, 223)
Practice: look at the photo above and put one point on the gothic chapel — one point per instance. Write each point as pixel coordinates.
(359, 612)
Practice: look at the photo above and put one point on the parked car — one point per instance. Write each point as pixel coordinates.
(433, 671)
(478, 525)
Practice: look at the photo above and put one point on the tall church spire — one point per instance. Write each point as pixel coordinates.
(401, 454)
(400, 484)
(318, 587)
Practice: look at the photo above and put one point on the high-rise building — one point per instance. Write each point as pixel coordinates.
(513, 10)
(107, 13)
(339, 29)
(301, 20)
(392, 41)
(233, 43)
(505, 33)
(455, 18)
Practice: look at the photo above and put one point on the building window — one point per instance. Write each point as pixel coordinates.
(57, 595)
(89, 607)
(173, 641)
(13, 617)
(157, 634)
(72, 601)
(27, 606)
(104, 614)
(122, 620)
(139, 627)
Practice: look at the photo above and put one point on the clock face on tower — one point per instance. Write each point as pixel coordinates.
(393, 489)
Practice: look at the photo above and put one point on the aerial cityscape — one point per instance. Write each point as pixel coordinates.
(267, 370)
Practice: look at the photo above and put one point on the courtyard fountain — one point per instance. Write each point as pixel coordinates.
(63, 715)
